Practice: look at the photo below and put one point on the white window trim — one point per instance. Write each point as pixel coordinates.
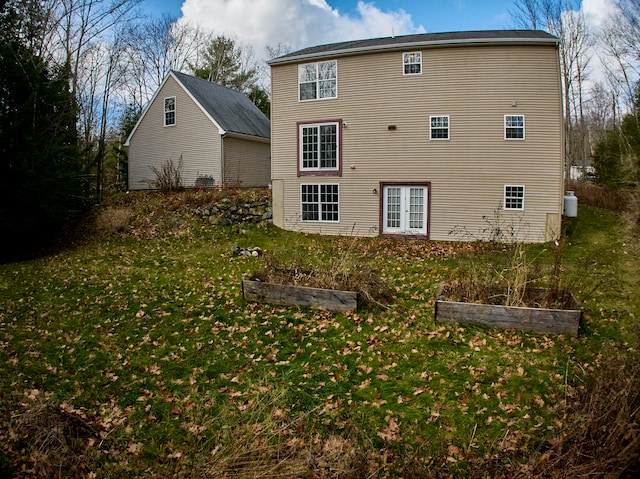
(319, 220)
(301, 142)
(164, 111)
(504, 198)
(404, 64)
(524, 129)
(317, 98)
(431, 128)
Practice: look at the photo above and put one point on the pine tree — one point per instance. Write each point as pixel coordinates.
(40, 174)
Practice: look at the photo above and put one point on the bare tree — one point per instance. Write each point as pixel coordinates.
(529, 14)
(156, 46)
(600, 111)
(564, 19)
(620, 49)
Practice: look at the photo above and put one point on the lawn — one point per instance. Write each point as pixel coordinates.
(142, 340)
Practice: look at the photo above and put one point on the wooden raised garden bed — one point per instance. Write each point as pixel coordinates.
(288, 295)
(565, 319)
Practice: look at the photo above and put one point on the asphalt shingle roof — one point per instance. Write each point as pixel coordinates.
(231, 109)
(422, 39)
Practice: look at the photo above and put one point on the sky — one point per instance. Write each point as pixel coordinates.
(301, 23)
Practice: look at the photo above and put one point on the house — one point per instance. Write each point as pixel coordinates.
(222, 138)
(432, 136)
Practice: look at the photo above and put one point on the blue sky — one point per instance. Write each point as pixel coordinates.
(433, 15)
(289, 25)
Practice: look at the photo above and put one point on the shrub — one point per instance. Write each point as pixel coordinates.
(590, 194)
(168, 176)
(55, 440)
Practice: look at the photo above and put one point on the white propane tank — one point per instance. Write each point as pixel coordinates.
(570, 205)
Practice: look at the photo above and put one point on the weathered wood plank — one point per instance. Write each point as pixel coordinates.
(323, 299)
(538, 320)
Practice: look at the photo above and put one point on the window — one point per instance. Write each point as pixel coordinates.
(439, 127)
(319, 145)
(405, 209)
(319, 202)
(513, 197)
(514, 127)
(170, 111)
(318, 81)
(412, 63)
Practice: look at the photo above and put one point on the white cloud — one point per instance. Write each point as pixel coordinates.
(296, 23)
(597, 11)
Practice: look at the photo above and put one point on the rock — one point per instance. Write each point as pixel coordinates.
(238, 251)
(267, 216)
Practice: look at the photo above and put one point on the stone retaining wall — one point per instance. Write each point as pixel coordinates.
(229, 211)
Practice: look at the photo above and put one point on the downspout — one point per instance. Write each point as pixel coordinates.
(222, 137)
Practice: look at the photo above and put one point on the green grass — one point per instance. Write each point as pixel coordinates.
(151, 341)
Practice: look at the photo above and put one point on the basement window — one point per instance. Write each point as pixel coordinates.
(514, 197)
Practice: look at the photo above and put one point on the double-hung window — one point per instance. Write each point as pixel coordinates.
(412, 63)
(439, 128)
(514, 127)
(319, 202)
(170, 111)
(514, 197)
(318, 81)
(319, 148)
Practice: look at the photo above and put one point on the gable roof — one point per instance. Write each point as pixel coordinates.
(229, 110)
(424, 40)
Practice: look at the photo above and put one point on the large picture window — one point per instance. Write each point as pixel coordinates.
(514, 127)
(170, 111)
(318, 81)
(319, 202)
(514, 197)
(319, 148)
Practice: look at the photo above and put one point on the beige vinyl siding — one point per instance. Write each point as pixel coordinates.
(476, 87)
(246, 163)
(194, 138)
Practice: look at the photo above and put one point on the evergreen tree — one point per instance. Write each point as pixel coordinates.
(40, 174)
(223, 64)
(261, 99)
(616, 158)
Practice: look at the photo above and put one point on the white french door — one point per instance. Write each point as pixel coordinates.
(405, 209)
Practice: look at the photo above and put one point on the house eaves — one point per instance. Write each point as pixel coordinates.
(424, 41)
(145, 110)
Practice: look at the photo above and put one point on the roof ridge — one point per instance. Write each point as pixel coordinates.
(425, 39)
(207, 81)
